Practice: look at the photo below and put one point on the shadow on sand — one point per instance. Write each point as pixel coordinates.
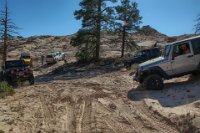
(72, 71)
(174, 94)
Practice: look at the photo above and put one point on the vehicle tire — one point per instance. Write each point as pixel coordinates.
(127, 64)
(8, 79)
(196, 73)
(31, 80)
(11, 82)
(1, 76)
(153, 82)
(56, 61)
(63, 58)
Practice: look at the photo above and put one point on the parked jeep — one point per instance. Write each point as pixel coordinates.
(15, 71)
(142, 56)
(179, 58)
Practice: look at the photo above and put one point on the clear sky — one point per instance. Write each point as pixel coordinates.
(55, 17)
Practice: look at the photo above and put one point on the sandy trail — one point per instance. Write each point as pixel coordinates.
(99, 104)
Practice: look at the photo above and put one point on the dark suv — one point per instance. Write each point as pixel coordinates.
(15, 71)
(142, 56)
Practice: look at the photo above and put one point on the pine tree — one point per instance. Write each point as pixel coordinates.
(129, 14)
(96, 16)
(197, 26)
(7, 29)
(84, 40)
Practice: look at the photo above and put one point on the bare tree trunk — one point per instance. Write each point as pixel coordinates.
(123, 40)
(123, 36)
(5, 39)
(98, 43)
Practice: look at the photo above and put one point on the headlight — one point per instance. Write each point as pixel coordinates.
(141, 68)
(140, 71)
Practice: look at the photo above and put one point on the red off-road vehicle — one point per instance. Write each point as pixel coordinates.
(15, 71)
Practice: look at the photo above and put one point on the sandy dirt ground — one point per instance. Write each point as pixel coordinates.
(97, 100)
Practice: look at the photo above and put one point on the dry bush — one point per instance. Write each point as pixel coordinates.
(6, 90)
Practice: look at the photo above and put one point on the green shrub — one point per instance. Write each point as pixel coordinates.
(84, 56)
(6, 90)
(1, 131)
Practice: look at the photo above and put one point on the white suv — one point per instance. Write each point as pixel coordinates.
(54, 57)
(179, 58)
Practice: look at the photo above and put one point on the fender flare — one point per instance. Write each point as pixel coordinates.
(156, 70)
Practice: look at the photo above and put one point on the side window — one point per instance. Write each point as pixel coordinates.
(155, 52)
(196, 46)
(181, 49)
(145, 54)
(139, 53)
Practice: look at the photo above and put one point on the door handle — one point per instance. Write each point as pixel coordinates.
(189, 56)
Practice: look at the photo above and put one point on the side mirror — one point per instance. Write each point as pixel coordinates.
(174, 55)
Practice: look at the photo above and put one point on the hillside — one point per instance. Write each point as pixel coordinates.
(97, 97)
(111, 44)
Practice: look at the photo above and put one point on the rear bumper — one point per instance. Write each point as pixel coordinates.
(50, 60)
(17, 77)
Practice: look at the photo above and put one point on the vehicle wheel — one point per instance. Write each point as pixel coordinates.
(31, 80)
(153, 82)
(1, 76)
(196, 73)
(11, 82)
(8, 80)
(127, 64)
(63, 58)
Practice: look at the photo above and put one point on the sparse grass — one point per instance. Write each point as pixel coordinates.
(185, 123)
(6, 90)
(1, 131)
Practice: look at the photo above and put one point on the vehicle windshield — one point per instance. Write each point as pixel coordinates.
(166, 50)
(49, 56)
(26, 57)
(140, 53)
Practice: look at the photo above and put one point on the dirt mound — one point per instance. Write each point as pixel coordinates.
(148, 30)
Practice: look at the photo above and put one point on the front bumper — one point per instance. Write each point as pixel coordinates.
(137, 76)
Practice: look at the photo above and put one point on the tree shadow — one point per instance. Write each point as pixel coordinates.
(43, 67)
(174, 94)
(70, 71)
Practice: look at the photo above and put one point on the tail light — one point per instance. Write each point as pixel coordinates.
(12, 72)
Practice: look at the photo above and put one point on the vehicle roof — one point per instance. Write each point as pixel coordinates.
(14, 60)
(149, 49)
(25, 54)
(188, 39)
